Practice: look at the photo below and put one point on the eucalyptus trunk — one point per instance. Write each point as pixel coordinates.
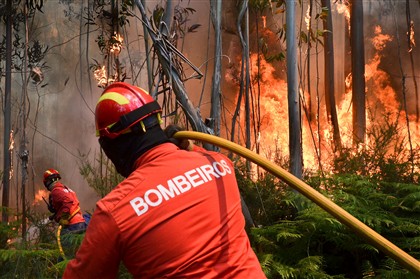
(23, 152)
(216, 93)
(358, 71)
(295, 134)
(7, 111)
(411, 45)
(146, 38)
(244, 81)
(329, 74)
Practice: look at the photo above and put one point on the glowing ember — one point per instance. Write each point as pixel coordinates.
(116, 44)
(11, 147)
(308, 18)
(411, 36)
(102, 77)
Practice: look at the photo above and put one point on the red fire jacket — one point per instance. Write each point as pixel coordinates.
(65, 200)
(178, 215)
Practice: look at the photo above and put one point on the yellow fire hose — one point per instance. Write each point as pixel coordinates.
(58, 236)
(59, 242)
(340, 214)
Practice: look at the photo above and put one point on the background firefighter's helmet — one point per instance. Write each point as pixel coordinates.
(122, 106)
(50, 176)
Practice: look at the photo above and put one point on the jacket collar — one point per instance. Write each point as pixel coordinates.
(155, 152)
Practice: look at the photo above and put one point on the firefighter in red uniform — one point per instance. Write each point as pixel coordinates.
(63, 203)
(176, 215)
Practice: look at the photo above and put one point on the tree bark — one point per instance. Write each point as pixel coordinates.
(147, 51)
(216, 12)
(358, 71)
(410, 33)
(295, 134)
(329, 75)
(7, 112)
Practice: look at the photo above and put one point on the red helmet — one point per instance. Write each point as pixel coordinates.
(120, 107)
(51, 175)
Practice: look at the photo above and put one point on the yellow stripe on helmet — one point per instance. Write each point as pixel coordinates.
(114, 96)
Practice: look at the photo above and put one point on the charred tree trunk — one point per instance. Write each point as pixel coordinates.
(7, 112)
(241, 93)
(404, 92)
(245, 82)
(244, 89)
(358, 71)
(308, 105)
(257, 109)
(329, 74)
(411, 44)
(243, 31)
(295, 134)
(23, 152)
(310, 110)
(242, 27)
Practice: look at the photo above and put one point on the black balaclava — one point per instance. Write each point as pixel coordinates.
(125, 149)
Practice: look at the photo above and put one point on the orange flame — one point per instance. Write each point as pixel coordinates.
(410, 34)
(11, 148)
(39, 196)
(274, 131)
(308, 18)
(343, 8)
(102, 77)
(264, 20)
(116, 43)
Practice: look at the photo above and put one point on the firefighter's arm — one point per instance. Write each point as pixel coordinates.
(66, 205)
(99, 253)
(185, 144)
(56, 203)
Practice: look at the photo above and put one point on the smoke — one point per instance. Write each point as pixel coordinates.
(60, 131)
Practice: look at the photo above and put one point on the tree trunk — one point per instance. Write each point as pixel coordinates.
(411, 44)
(23, 152)
(216, 12)
(147, 51)
(247, 82)
(7, 112)
(329, 75)
(358, 71)
(243, 32)
(295, 135)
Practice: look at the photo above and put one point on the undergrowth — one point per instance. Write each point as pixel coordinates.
(293, 237)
